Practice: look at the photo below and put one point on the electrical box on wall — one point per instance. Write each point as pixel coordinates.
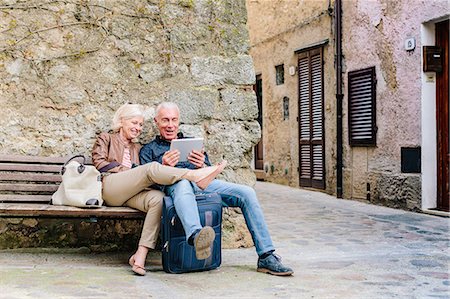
(410, 159)
(432, 59)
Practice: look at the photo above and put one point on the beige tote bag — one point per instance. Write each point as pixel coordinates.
(81, 185)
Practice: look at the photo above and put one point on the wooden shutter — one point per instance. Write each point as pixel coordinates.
(311, 119)
(361, 107)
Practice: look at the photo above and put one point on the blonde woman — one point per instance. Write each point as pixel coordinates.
(126, 183)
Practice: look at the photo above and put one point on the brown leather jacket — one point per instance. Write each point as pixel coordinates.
(108, 148)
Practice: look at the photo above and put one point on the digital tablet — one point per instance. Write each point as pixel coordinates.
(186, 145)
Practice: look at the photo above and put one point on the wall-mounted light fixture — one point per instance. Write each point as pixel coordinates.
(292, 70)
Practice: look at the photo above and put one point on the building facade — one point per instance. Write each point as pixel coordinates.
(386, 63)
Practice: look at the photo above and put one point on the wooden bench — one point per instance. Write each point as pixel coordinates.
(26, 186)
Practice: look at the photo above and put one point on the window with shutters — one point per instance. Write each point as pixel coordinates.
(361, 107)
(311, 119)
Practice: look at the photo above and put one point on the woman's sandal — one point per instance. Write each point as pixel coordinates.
(135, 267)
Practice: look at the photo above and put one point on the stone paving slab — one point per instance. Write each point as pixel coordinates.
(338, 249)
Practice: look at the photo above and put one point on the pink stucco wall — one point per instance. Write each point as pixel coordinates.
(374, 34)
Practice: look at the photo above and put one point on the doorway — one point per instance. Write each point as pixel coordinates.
(259, 150)
(442, 119)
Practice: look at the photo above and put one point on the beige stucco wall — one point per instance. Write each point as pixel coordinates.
(277, 29)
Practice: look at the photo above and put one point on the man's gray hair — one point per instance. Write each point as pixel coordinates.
(166, 105)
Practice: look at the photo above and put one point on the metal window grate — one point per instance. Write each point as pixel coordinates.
(279, 69)
(361, 107)
(285, 108)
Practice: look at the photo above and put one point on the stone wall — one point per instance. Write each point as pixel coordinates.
(66, 66)
(99, 235)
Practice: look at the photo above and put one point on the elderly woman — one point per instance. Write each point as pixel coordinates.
(125, 183)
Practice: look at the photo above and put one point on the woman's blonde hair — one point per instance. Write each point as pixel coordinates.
(127, 111)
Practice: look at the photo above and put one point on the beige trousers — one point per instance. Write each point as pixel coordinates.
(131, 188)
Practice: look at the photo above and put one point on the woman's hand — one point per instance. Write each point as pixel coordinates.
(171, 158)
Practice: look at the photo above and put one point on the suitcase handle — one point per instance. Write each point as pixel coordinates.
(201, 196)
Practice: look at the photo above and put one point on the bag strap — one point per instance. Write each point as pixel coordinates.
(74, 157)
(110, 166)
(81, 167)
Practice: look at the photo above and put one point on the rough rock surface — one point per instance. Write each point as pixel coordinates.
(66, 66)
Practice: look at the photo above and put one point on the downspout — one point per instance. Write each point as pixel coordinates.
(339, 97)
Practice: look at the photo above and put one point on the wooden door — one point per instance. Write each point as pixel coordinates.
(442, 118)
(311, 119)
(259, 150)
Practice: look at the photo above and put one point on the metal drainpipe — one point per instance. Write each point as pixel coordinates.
(339, 97)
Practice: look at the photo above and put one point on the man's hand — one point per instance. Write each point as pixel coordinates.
(171, 158)
(197, 158)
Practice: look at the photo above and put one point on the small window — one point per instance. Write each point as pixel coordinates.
(361, 107)
(279, 74)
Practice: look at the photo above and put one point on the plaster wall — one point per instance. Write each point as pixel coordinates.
(429, 145)
(269, 19)
(277, 29)
(374, 33)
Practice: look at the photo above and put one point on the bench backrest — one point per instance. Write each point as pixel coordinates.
(29, 179)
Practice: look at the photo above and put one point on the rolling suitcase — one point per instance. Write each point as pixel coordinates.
(177, 255)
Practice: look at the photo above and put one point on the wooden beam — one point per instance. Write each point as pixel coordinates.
(30, 167)
(28, 187)
(37, 210)
(38, 159)
(25, 198)
(30, 177)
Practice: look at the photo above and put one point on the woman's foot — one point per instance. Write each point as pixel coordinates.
(135, 267)
(204, 176)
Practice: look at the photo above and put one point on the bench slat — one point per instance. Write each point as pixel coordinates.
(38, 159)
(25, 198)
(33, 177)
(36, 210)
(30, 167)
(32, 159)
(28, 187)
(30, 177)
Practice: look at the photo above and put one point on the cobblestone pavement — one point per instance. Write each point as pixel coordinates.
(338, 249)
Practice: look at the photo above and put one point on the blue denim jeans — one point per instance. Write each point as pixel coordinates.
(233, 195)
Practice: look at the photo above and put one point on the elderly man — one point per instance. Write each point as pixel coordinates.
(183, 194)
